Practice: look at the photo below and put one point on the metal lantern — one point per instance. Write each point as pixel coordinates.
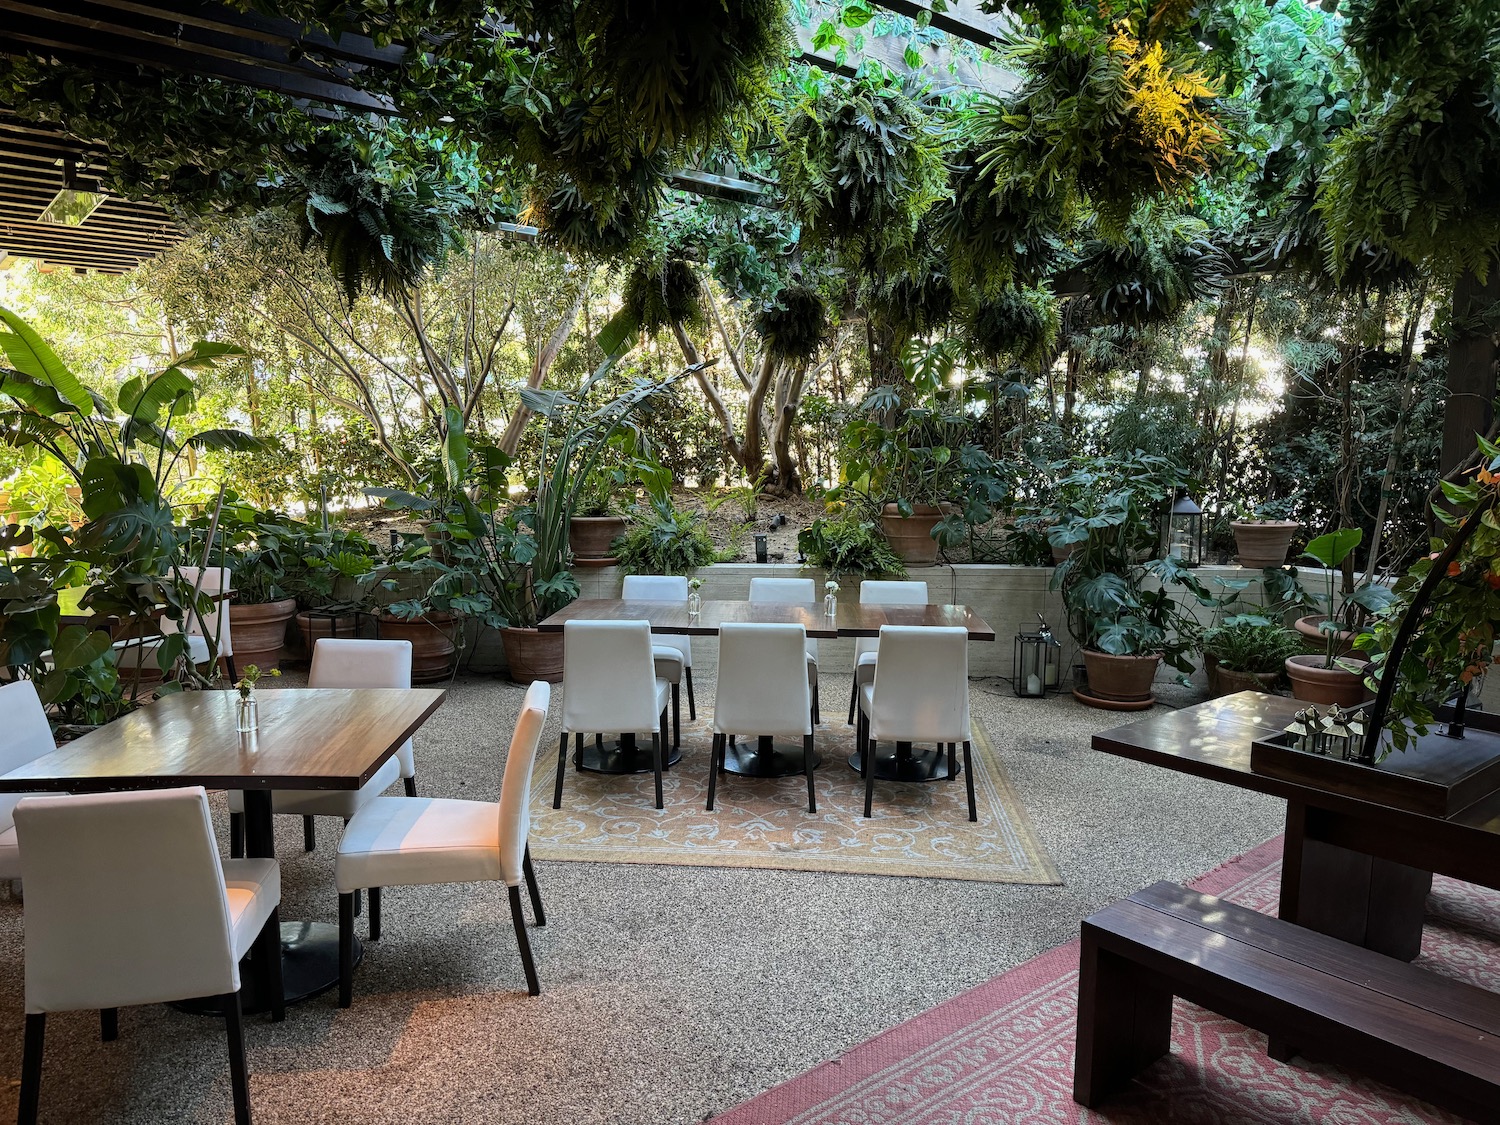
(1183, 537)
(1037, 662)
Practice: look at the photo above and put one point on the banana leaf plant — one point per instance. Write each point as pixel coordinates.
(123, 455)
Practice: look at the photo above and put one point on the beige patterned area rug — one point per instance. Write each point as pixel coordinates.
(920, 830)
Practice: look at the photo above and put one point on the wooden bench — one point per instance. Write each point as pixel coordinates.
(1427, 1035)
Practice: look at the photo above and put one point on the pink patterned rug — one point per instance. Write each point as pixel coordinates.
(1002, 1053)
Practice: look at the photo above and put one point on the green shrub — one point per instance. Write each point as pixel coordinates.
(1249, 646)
(665, 540)
(849, 545)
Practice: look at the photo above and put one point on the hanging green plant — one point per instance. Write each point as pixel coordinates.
(657, 296)
(992, 241)
(1021, 324)
(612, 230)
(1163, 262)
(795, 325)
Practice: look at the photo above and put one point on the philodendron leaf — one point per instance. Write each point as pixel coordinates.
(78, 646)
(1332, 549)
(31, 355)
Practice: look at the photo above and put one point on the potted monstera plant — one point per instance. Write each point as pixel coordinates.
(1335, 673)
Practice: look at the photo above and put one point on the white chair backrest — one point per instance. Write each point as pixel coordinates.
(609, 676)
(762, 681)
(125, 900)
(921, 685)
(215, 625)
(880, 592)
(25, 735)
(515, 788)
(785, 591)
(655, 588)
(341, 662)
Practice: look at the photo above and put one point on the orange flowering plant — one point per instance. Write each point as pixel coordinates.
(1452, 640)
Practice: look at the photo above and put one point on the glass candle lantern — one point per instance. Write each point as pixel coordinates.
(1182, 537)
(1029, 667)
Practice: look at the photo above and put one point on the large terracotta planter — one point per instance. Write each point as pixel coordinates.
(433, 652)
(1310, 629)
(1119, 679)
(590, 537)
(1312, 683)
(438, 539)
(1263, 543)
(911, 536)
(1231, 680)
(530, 655)
(314, 627)
(259, 632)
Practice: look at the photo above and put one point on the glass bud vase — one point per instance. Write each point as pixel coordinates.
(247, 716)
(695, 604)
(830, 605)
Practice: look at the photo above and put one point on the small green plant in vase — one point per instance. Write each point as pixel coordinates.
(246, 717)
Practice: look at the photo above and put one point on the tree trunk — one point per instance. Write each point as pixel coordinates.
(1472, 364)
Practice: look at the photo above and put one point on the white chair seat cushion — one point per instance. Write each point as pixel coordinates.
(867, 705)
(812, 668)
(253, 889)
(327, 802)
(10, 854)
(668, 664)
(415, 841)
(665, 650)
(663, 693)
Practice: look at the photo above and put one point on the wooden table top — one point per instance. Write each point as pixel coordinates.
(308, 738)
(1213, 739)
(851, 621)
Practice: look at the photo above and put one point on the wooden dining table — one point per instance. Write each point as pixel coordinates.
(307, 738)
(764, 757)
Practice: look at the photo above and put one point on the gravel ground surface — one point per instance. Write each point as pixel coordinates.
(669, 993)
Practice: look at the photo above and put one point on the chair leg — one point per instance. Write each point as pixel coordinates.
(267, 952)
(676, 716)
(531, 887)
(346, 950)
(562, 761)
(309, 834)
(807, 768)
(865, 762)
(817, 715)
(969, 773)
(236, 835)
(374, 913)
(411, 786)
(31, 1068)
(952, 760)
(109, 1024)
(715, 755)
(687, 672)
(239, 1081)
(853, 694)
(533, 986)
(656, 762)
(233, 672)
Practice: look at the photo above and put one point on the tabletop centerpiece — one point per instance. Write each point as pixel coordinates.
(695, 599)
(247, 715)
(1427, 651)
(830, 598)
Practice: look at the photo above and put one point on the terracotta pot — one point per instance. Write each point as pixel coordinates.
(315, 626)
(1231, 680)
(911, 536)
(433, 653)
(1061, 555)
(1125, 679)
(438, 539)
(1312, 683)
(590, 537)
(1263, 543)
(1316, 638)
(259, 632)
(530, 655)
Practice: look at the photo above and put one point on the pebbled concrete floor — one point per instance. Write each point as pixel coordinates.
(669, 993)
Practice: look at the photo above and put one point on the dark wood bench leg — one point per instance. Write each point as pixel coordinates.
(1124, 1022)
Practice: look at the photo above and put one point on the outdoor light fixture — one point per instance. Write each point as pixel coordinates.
(1037, 662)
(760, 549)
(71, 207)
(1182, 538)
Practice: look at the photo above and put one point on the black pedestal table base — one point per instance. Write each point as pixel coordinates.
(309, 967)
(764, 757)
(907, 764)
(627, 754)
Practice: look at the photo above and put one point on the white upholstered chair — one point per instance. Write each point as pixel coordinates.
(792, 591)
(418, 841)
(610, 684)
(878, 593)
(673, 655)
(920, 693)
(147, 917)
(207, 634)
(762, 692)
(341, 663)
(25, 734)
